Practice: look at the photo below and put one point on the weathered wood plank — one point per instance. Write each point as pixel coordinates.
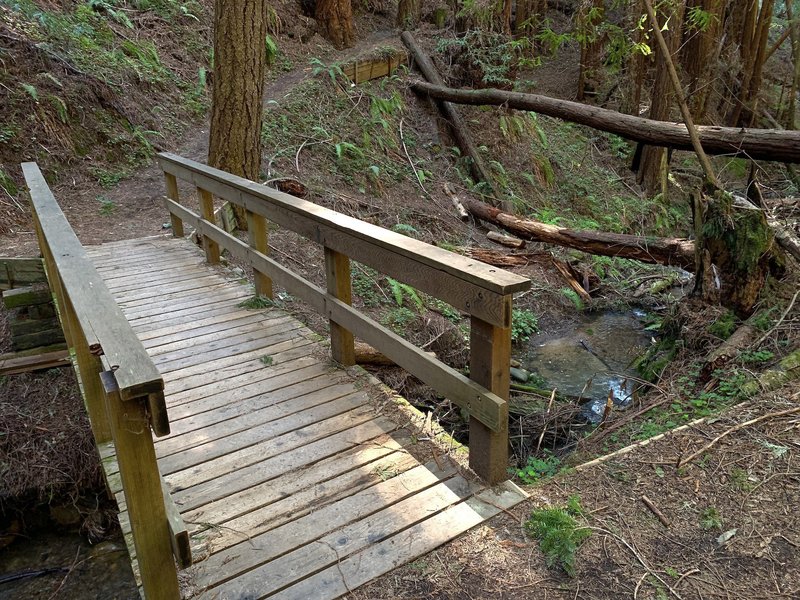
(419, 539)
(337, 277)
(240, 416)
(13, 364)
(195, 495)
(27, 296)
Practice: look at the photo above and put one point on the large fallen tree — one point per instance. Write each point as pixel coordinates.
(666, 251)
(765, 144)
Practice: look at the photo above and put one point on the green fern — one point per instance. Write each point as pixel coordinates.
(32, 92)
(401, 291)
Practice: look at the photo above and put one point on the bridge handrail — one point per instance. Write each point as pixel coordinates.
(122, 388)
(482, 291)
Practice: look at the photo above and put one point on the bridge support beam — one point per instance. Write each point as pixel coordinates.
(490, 354)
(141, 483)
(257, 234)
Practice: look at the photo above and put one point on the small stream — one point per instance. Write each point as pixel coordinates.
(64, 565)
(591, 359)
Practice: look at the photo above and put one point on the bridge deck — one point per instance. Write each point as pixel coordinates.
(291, 474)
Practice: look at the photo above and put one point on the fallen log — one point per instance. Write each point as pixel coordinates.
(564, 269)
(449, 111)
(462, 212)
(506, 240)
(764, 144)
(676, 252)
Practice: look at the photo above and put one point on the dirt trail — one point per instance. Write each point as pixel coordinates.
(134, 205)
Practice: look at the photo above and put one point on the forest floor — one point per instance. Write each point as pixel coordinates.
(733, 529)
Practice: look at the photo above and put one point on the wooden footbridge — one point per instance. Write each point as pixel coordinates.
(245, 460)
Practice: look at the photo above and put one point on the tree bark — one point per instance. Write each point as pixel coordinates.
(240, 67)
(763, 144)
(335, 21)
(408, 12)
(666, 251)
(653, 167)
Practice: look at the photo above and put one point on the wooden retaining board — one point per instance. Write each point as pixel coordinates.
(290, 482)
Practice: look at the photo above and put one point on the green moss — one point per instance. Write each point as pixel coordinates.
(724, 326)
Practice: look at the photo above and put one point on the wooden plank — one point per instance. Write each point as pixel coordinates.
(210, 247)
(189, 471)
(265, 325)
(149, 263)
(346, 470)
(237, 415)
(20, 272)
(146, 294)
(24, 326)
(172, 332)
(27, 296)
(480, 402)
(194, 495)
(431, 269)
(13, 365)
(284, 354)
(195, 330)
(94, 305)
(143, 493)
(337, 277)
(38, 339)
(377, 559)
(126, 283)
(224, 347)
(190, 314)
(391, 506)
(232, 436)
(233, 297)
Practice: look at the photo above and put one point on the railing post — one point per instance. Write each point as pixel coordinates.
(141, 484)
(489, 365)
(337, 272)
(172, 194)
(257, 234)
(207, 212)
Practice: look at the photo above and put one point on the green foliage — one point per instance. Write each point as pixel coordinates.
(699, 19)
(364, 282)
(710, 518)
(755, 356)
(402, 292)
(60, 107)
(31, 91)
(333, 70)
(724, 326)
(406, 229)
(256, 302)
(523, 325)
(267, 360)
(763, 319)
(7, 184)
(108, 178)
(107, 205)
(559, 534)
(538, 468)
(398, 319)
(577, 301)
(271, 49)
(494, 56)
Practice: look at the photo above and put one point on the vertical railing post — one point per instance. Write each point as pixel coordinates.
(144, 497)
(207, 212)
(489, 365)
(257, 234)
(172, 194)
(337, 272)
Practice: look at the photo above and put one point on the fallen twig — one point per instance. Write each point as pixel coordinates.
(778, 324)
(738, 427)
(655, 510)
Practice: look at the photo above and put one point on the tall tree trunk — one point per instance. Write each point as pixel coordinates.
(794, 29)
(240, 67)
(698, 48)
(653, 165)
(335, 21)
(590, 16)
(408, 12)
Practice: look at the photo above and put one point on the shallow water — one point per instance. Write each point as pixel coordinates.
(592, 359)
(80, 571)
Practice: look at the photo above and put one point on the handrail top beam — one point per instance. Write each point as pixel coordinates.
(493, 279)
(100, 317)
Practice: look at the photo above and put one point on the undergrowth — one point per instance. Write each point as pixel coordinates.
(559, 533)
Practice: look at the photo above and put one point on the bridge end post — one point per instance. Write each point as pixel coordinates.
(337, 274)
(144, 496)
(490, 355)
(210, 247)
(172, 194)
(257, 237)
